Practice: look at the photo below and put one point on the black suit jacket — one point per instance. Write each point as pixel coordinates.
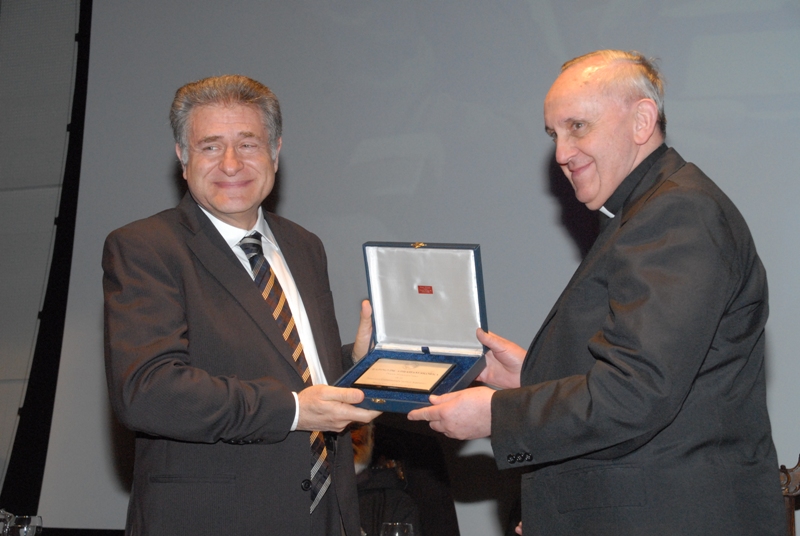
(197, 366)
(643, 406)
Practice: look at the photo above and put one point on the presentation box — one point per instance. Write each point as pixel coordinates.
(427, 301)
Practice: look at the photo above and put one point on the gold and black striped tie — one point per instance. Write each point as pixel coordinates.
(273, 294)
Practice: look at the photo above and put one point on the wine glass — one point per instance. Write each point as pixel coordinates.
(25, 526)
(397, 529)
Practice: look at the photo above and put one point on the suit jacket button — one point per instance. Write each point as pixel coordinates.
(511, 459)
(305, 485)
(528, 457)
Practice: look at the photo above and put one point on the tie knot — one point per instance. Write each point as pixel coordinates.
(251, 244)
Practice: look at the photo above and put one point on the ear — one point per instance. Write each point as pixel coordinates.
(646, 120)
(183, 166)
(277, 153)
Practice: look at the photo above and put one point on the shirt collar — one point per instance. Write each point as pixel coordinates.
(232, 235)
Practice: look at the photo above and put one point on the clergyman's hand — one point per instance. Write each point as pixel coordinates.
(330, 409)
(503, 361)
(463, 414)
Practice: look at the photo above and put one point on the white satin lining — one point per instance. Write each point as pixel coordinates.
(424, 297)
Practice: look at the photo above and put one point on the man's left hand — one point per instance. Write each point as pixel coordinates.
(463, 414)
(364, 333)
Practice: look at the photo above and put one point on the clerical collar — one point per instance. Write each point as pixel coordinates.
(615, 203)
(605, 211)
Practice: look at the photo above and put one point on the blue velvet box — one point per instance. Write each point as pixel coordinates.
(427, 301)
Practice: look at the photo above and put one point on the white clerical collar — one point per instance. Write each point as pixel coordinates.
(605, 211)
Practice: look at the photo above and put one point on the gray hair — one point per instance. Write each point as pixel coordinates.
(226, 90)
(640, 80)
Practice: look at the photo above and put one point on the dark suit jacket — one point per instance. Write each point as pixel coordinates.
(195, 362)
(643, 406)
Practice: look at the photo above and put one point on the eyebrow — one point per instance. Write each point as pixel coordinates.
(240, 135)
(208, 139)
(571, 120)
(568, 121)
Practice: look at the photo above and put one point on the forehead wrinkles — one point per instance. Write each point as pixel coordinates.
(222, 107)
(572, 98)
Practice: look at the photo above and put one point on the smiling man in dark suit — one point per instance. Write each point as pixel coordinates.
(640, 406)
(221, 338)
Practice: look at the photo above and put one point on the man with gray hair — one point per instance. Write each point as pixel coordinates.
(221, 339)
(640, 406)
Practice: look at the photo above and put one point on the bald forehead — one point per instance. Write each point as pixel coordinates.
(576, 79)
(594, 75)
(590, 70)
(582, 94)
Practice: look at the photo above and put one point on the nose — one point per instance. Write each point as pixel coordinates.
(564, 152)
(231, 164)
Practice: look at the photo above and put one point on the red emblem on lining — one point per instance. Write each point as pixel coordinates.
(424, 289)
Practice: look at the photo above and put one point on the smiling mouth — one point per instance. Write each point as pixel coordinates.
(233, 184)
(578, 170)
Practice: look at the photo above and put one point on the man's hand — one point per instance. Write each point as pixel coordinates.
(503, 361)
(329, 409)
(463, 414)
(364, 333)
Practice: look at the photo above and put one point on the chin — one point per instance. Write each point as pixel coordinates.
(590, 202)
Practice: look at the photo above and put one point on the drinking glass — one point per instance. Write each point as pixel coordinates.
(25, 526)
(397, 529)
(5, 520)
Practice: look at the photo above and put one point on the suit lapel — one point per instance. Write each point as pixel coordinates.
(582, 269)
(216, 256)
(306, 279)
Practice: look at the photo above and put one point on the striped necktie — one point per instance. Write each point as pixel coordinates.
(273, 294)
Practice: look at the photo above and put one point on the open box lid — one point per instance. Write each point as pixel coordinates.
(426, 298)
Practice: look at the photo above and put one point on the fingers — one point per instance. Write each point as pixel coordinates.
(362, 416)
(423, 414)
(345, 395)
(330, 409)
(483, 336)
(366, 312)
(461, 415)
(494, 342)
(364, 332)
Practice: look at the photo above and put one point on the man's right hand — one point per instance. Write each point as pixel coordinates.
(503, 361)
(330, 409)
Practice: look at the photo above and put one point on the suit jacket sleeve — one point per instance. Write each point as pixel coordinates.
(681, 280)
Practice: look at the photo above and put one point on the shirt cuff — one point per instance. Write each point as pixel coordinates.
(296, 412)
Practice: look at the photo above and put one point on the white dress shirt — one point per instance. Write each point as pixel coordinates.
(274, 257)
